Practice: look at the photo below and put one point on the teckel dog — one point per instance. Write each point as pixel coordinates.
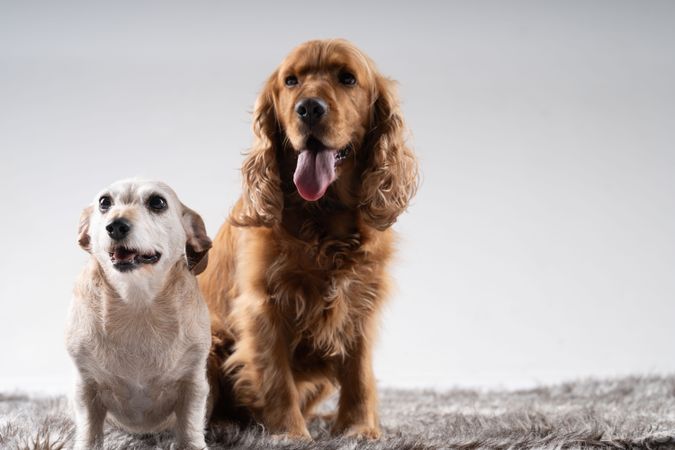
(298, 273)
(138, 330)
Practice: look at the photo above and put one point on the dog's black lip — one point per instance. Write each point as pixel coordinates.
(126, 266)
(149, 259)
(137, 260)
(342, 154)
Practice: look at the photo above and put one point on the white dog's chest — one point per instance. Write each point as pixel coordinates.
(138, 368)
(140, 405)
(141, 361)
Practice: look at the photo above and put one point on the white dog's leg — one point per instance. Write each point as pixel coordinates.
(191, 411)
(89, 416)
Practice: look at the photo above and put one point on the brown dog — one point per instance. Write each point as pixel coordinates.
(299, 271)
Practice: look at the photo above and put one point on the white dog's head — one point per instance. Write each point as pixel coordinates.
(140, 227)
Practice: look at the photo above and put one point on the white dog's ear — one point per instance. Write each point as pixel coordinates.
(83, 237)
(198, 243)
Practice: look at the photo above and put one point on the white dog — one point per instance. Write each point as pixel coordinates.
(139, 331)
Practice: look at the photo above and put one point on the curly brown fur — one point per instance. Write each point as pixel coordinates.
(298, 284)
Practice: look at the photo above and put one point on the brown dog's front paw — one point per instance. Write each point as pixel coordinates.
(297, 435)
(287, 425)
(363, 432)
(359, 431)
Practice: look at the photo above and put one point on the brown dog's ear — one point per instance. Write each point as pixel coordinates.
(390, 175)
(198, 243)
(83, 237)
(262, 199)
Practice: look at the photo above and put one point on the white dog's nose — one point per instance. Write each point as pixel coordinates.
(118, 229)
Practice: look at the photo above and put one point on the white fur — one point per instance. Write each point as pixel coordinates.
(151, 232)
(139, 339)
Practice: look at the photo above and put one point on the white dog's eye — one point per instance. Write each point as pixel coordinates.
(104, 203)
(157, 203)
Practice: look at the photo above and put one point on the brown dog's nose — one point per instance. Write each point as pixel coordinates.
(118, 229)
(311, 110)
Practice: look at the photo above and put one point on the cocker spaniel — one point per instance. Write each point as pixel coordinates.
(298, 273)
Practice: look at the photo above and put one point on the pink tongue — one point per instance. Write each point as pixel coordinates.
(314, 173)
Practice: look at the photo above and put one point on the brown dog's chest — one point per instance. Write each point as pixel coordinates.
(322, 286)
(322, 309)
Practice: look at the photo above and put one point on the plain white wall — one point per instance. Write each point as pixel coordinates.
(540, 246)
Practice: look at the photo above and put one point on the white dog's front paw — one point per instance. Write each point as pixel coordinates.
(87, 444)
(192, 443)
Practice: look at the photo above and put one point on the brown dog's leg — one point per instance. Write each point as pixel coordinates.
(357, 408)
(280, 399)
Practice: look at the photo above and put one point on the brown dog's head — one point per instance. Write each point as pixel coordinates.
(328, 122)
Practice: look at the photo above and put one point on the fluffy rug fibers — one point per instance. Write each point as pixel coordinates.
(634, 412)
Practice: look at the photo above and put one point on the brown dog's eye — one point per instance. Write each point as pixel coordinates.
(157, 203)
(104, 203)
(291, 80)
(347, 78)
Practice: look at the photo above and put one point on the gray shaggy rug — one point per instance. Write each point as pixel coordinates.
(634, 412)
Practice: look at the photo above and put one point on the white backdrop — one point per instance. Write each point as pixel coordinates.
(541, 245)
